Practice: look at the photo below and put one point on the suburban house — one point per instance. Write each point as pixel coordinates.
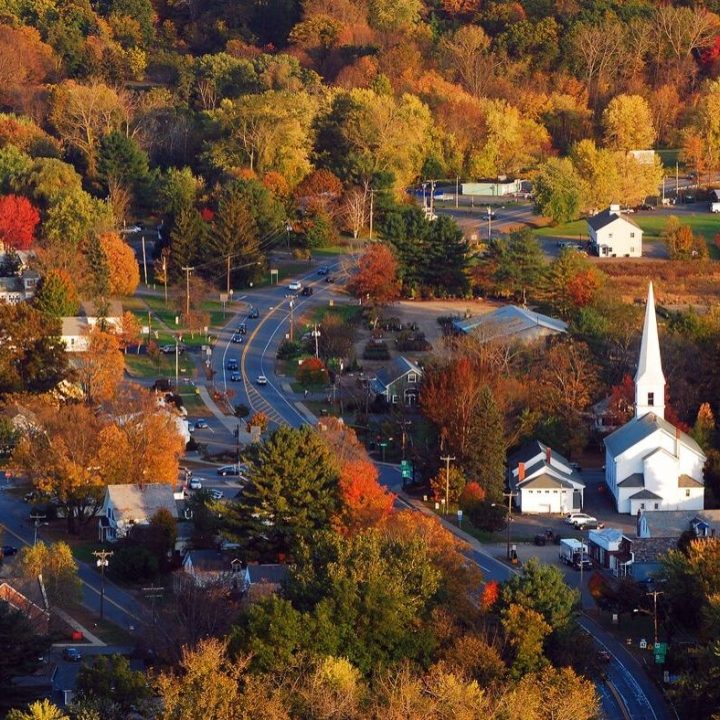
(127, 505)
(19, 288)
(111, 317)
(614, 235)
(76, 330)
(649, 463)
(212, 567)
(604, 548)
(259, 581)
(641, 558)
(75, 334)
(398, 382)
(29, 597)
(545, 482)
(510, 323)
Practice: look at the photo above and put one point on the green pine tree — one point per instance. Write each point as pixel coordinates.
(446, 258)
(293, 492)
(122, 161)
(486, 456)
(99, 284)
(188, 240)
(56, 295)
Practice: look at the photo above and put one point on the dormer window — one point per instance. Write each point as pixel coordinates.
(412, 378)
(651, 399)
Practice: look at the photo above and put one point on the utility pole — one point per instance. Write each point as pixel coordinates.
(457, 193)
(153, 593)
(677, 179)
(187, 271)
(403, 425)
(36, 518)
(372, 211)
(178, 338)
(227, 287)
(165, 271)
(447, 460)
(509, 495)
(432, 197)
(102, 562)
(292, 319)
(144, 259)
(316, 335)
(655, 594)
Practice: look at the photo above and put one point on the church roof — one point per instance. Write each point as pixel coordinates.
(645, 495)
(638, 429)
(685, 481)
(650, 364)
(634, 480)
(608, 217)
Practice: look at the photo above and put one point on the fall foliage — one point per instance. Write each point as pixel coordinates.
(124, 276)
(18, 220)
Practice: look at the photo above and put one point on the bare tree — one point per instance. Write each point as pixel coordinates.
(355, 211)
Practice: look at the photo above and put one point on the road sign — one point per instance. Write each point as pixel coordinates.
(406, 469)
(660, 652)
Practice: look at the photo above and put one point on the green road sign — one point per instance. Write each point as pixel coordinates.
(660, 652)
(406, 469)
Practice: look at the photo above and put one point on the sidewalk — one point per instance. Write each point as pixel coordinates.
(75, 625)
(231, 423)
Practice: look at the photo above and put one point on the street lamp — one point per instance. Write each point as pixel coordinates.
(509, 495)
(37, 517)
(102, 562)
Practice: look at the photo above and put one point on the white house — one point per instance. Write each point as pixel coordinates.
(649, 463)
(75, 334)
(614, 235)
(498, 187)
(111, 319)
(19, 288)
(510, 323)
(76, 330)
(125, 506)
(545, 482)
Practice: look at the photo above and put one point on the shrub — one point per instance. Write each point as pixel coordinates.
(376, 351)
(289, 349)
(412, 341)
(241, 410)
(486, 516)
(312, 373)
(472, 495)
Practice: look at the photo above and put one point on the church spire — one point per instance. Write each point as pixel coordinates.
(649, 379)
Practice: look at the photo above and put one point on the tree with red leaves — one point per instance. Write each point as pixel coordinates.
(376, 278)
(18, 220)
(365, 503)
(490, 594)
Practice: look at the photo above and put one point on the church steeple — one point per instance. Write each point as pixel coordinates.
(649, 379)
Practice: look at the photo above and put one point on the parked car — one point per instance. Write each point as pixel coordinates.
(131, 230)
(235, 376)
(71, 654)
(201, 425)
(216, 494)
(237, 339)
(645, 206)
(307, 291)
(295, 286)
(32, 496)
(170, 349)
(545, 537)
(329, 279)
(228, 470)
(254, 313)
(578, 518)
(262, 380)
(195, 484)
(9, 550)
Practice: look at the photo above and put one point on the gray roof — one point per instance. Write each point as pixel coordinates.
(547, 481)
(267, 573)
(673, 523)
(209, 561)
(645, 495)
(132, 502)
(552, 476)
(605, 218)
(507, 321)
(531, 449)
(612, 535)
(397, 369)
(638, 429)
(650, 550)
(75, 326)
(89, 309)
(634, 480)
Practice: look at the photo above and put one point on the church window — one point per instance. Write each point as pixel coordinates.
(657, 506)
(651, 399)
(642, 506)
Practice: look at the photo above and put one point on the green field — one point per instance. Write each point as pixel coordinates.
(145, 367)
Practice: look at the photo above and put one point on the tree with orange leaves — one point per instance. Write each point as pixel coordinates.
(364, 502)
(122, 264)
(376, 278)
(100, 369)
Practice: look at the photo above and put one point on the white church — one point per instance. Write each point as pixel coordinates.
(649, 463)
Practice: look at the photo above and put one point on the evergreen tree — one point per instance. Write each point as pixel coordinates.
(446, 257)
(187, 241)
(20, 643)
(122, 161)
(486, 454)
(57, 295)
(293, 491)
(99, 285)
(520, 265)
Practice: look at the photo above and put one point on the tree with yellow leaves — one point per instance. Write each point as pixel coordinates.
(100, 369)
(123, 266)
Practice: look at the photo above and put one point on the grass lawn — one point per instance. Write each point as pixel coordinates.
(144, 366)
(105, 630)
(193, 402)
(347, 312)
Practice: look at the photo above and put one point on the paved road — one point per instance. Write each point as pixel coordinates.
(121, 608)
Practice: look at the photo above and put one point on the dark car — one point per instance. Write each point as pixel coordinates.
(237, 339)
(540, 539)
(324, 270)
(254, 313)
(9, 550)
(306, 291)
(71, 654)
(329, 279)
(232, 365)
(242, 329)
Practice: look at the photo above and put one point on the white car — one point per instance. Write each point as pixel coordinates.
(295, 285)
(579, 519)
(195, 484)
(131, 230)
(262, 380)
(216, 494)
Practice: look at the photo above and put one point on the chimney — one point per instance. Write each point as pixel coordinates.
(614, 210)
(521, 472)
(548, 455)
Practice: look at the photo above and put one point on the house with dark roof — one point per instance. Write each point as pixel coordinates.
(545, 482)
(212, 567)
(604, 548)
(29, 597)
(259, 581)
(398, 382)
(19, 288)
(673, 523)
(649, 463)
(510, 323)
(614, 235)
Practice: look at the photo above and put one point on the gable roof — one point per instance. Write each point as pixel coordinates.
(530, 450)
(75, 326)
(634, 480)
(649, 550)
(645, 495)
(541, 474)
(546, 480)
(685, 481)
(395, 370)
(507, 321)
(605, 218)
(609, 535)
(267, 573)
(89, 309)
(638, 429)
(132, 502)
(673, 523)
(209, 561)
